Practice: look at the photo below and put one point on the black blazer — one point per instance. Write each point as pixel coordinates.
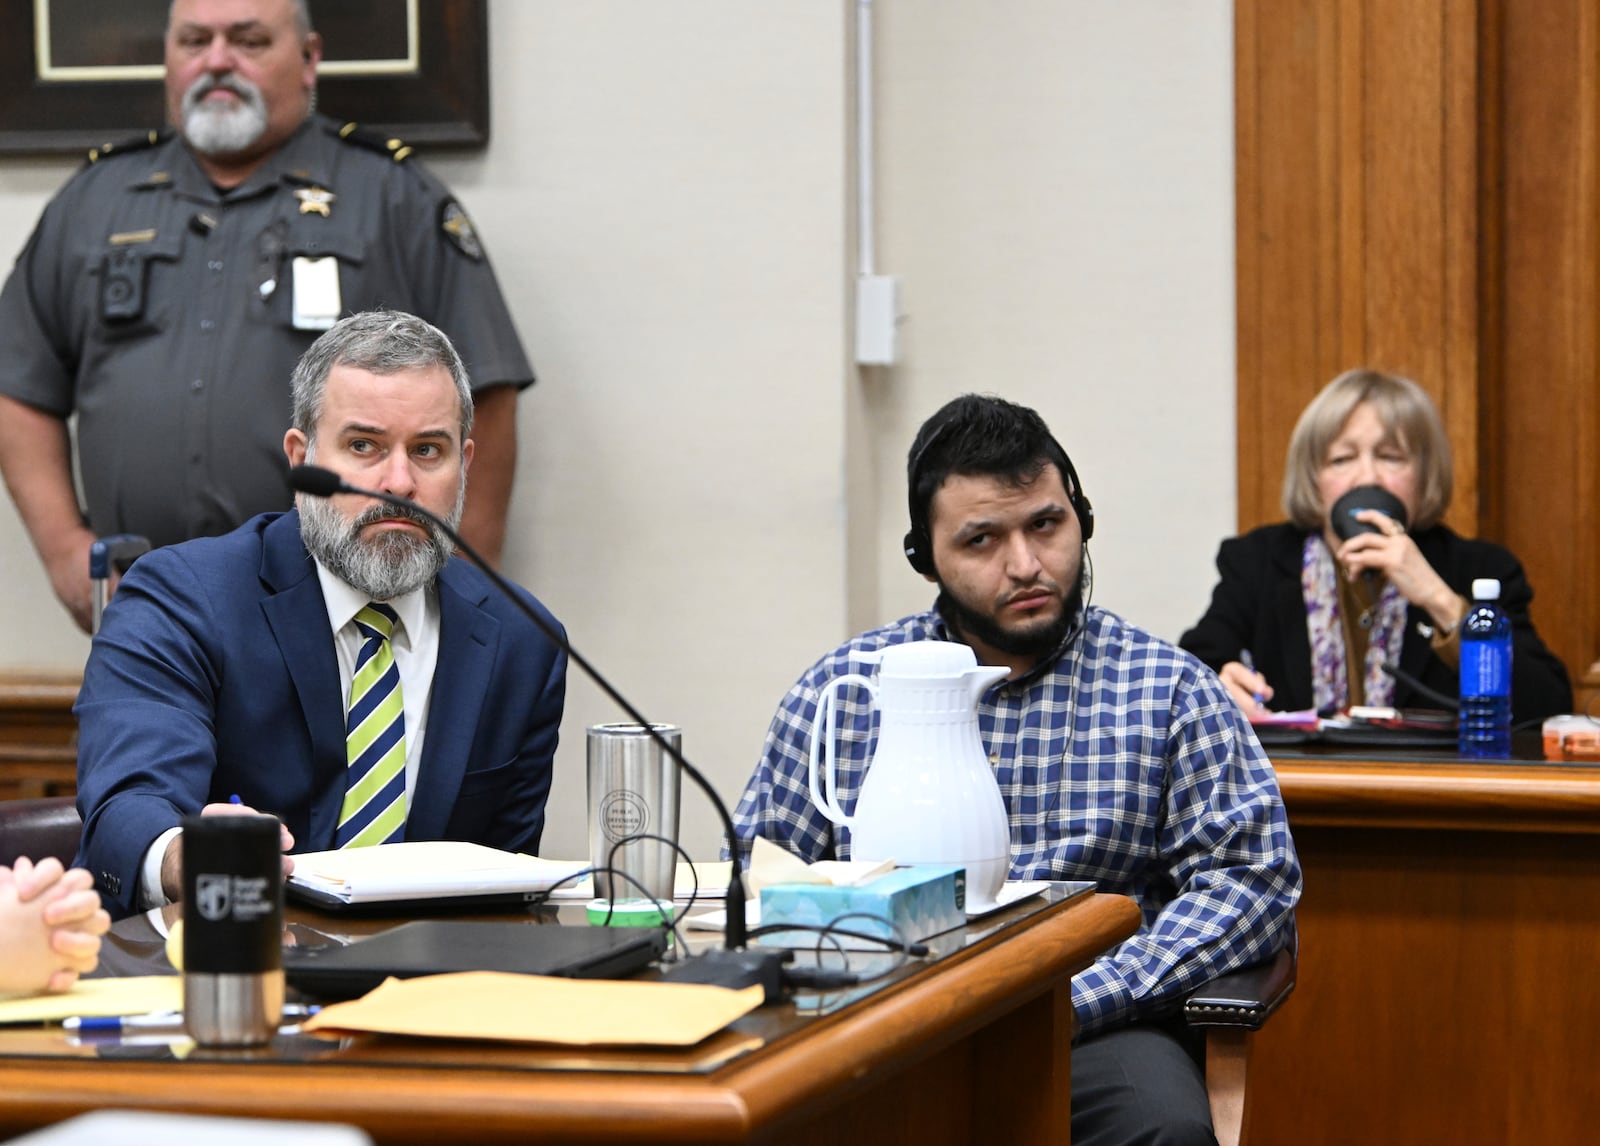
(1258, 605)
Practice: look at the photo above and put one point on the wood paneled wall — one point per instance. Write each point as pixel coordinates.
(38, 735)
(1418, 183)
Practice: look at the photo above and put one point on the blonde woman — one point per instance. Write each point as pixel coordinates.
(1302, 619)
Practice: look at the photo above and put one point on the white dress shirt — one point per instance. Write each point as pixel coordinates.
(416, 652)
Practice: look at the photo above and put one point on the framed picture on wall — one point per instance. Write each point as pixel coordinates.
(75, 74)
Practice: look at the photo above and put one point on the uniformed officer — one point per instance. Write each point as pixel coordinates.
(172, 284)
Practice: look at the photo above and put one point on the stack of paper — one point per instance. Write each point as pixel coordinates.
(426, 870)
(1267, 718)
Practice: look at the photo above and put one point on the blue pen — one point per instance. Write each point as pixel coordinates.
(1249, 662)
(157, 1021)
(175, 1037)
(234, 799)
(117, 1024)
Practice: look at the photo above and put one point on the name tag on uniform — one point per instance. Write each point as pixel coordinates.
(316, 293)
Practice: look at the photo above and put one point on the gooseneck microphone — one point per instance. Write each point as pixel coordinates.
(735, 967)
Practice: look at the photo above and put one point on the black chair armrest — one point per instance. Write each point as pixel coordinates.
(39, 828)
(1246, 997)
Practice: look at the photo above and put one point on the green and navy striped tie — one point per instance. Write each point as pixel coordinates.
(374, 810)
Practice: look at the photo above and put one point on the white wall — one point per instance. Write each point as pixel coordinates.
(1058, 201)
(709, 494)
(35, 631)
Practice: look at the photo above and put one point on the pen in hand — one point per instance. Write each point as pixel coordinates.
(1249, 662)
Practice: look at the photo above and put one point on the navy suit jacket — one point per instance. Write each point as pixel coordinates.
(214, 675)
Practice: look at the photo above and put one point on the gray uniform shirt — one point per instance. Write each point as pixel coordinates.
(160, 310)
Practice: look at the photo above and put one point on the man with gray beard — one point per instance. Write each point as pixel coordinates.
(330, 665)
(172, 283)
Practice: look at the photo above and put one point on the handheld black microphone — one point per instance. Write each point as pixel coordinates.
(733, 966)
(1343, 518)
(1345, 524)
(1343, 514)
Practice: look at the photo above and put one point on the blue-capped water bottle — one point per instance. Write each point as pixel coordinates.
(1485, 725)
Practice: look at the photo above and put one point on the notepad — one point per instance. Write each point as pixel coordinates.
(426, 871)
(1305, 718)
(129, 995)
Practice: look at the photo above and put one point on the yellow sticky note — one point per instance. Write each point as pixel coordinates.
(134, 995)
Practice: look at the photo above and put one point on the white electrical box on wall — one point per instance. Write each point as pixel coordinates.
(877, 313)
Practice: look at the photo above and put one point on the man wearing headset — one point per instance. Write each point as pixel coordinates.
(1121, 759)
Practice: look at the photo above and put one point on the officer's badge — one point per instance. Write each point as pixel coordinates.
(457, 228)
(315, 200)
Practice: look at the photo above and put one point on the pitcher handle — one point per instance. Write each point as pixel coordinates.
(823, 795)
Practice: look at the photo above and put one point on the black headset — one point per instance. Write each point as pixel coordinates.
(919, 545)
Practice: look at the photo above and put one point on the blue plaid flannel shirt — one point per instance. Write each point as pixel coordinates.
(1122, 760)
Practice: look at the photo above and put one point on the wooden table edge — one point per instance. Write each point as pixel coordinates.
(752, 1094)
(1443, 794)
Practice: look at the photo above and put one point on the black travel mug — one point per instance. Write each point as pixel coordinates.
(232, 929)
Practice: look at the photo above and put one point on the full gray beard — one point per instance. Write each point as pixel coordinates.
(212, 130)
(385, 566)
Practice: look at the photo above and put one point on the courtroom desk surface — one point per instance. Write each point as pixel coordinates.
(993, 1007)
(1440, 790)
(136, 947)
(1448, 929)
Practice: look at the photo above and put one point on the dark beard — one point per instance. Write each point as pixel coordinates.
(971, 625)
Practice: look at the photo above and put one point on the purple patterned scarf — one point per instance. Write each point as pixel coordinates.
(1330, 688)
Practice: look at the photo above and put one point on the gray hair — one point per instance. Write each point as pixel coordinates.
(302, 17)
(380, 342)
(1409, 418)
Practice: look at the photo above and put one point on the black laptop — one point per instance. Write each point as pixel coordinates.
(440, 946)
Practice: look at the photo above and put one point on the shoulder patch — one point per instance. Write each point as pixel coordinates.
(142, 142)
(457, 228)
(366, 137)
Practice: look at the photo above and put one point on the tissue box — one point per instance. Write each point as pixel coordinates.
(921, 901)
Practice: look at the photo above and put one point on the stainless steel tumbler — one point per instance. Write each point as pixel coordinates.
(633, 791)
(232, 930)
